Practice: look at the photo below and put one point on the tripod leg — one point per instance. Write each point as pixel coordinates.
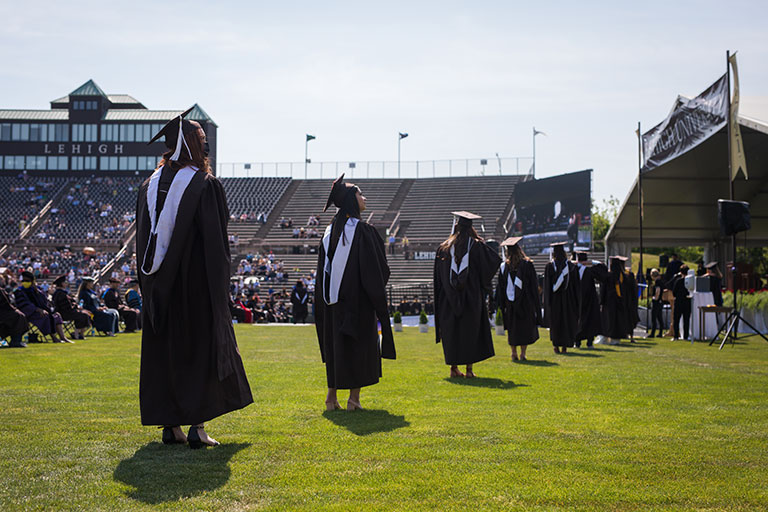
(727, 334)
(727, 319)
(739, 317)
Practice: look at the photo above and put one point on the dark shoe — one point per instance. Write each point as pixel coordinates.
(169, 437)
(193, 438)
(19, 345)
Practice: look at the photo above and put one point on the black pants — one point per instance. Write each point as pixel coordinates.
(657, 317)
(682, 310)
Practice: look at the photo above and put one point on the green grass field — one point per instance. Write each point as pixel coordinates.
(657, 425)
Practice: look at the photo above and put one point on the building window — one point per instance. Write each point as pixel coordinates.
(127, 132)
(20, 131)
(78, 132)
(91, 163)
(92, 105)
(91, 133)
(35, 162)
(5, 131)
(58, 133)
(109, 133)
(59, 163)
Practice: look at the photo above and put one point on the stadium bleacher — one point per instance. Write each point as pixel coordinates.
(92, 209)
(23, 198)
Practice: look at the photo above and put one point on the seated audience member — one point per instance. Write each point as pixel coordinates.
(13, 323)
(104, 319)
(133, 296)
(112, 300)
(248, 314)
(66, 305)
(34, 303)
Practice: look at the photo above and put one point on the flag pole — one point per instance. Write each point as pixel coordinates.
(641, 275)
(306, 155)
(534, 153)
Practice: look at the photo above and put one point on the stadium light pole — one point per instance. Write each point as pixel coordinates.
(535, 133)
(400, 136)
(306, 152)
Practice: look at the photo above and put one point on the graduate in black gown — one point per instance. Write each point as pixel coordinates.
(616, 302)
(13, 323)
(517, 294)
(463, 279)
(33, 302)
(300, 302)
(562, 296)
(590, 324)
(112, 300)
(191, 370)
(350, 298)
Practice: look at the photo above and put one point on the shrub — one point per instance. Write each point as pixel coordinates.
(423, 317)
(499, 317)
(397, 317)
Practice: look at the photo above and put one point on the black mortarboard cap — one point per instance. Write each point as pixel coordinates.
(619, 257)
(338, 192)
(134, 281)
(711, 264)
(27, 276)
(581, 256)
(512, 240)
(174, 138)
(466, 217)
(556, 244)
(114, 280)
(59, 280)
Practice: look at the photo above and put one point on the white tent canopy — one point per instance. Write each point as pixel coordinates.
(680, 197)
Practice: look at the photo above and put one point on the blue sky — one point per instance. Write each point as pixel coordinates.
(465, 79)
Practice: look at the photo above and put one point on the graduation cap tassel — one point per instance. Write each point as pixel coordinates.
(179, 141)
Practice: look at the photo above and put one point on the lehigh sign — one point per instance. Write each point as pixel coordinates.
(83, 149)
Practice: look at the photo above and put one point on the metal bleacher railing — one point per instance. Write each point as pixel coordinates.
(380, 169)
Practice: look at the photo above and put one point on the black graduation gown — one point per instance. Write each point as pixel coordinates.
(12, 321)
(347, 330)
(523, 316)
(615, 317)
(461, 313)
(590, 324)
(630, 292)
(299, 299)
(191, 370)
(65, 305)
(561, 307)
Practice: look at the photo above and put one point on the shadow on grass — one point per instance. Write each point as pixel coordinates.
(581, 354)
(160, 473)
(367, 421)
(537, 362)
(486, 382)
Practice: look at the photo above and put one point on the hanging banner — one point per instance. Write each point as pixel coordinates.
(691, 122)
(738, 161)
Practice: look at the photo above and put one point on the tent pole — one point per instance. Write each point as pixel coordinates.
(640, 273)
(731, 196)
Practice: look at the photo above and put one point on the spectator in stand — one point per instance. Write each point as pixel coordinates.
(248, 314)
(104, 320)
(65, 305)
(112, 300)
(392, 241)
(133, 296)
(13, 323)
(34, 303)
(299, 296)
(405, 242)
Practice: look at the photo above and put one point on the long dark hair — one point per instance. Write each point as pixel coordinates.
(81, 289)
(198, 159)
(461, 233)
(349, 208)
(515, 254)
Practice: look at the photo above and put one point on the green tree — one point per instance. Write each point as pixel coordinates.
(602, 218)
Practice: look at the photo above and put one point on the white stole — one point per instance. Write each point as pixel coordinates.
(560, 278)
(464, 260)
(581, 270)
(335, 268)
(163, 226)
(511, 285)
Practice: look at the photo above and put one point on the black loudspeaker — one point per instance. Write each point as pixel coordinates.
(663, 260)
(733, 217)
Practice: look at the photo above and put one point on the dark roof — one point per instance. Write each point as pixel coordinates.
(89, 88)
